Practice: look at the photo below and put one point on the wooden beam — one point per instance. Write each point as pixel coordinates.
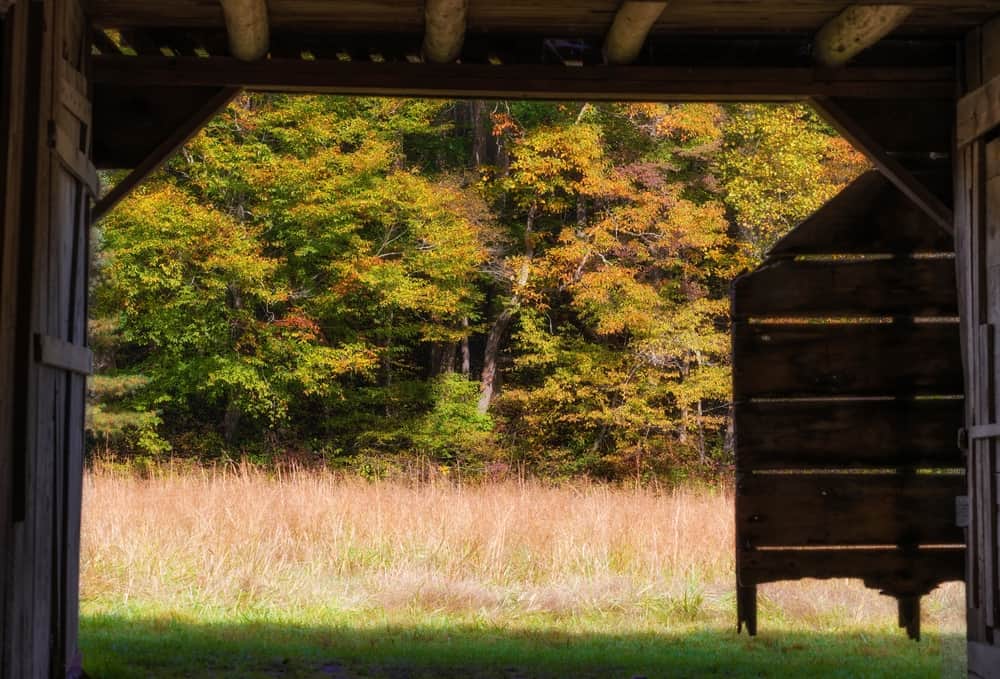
(628, 32)
(247, 26)
(889, 166)
(856, 29)
(163, 151)
(597, 83)
(444, 30)
(978, 112)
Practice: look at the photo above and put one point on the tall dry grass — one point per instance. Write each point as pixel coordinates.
(242, 539)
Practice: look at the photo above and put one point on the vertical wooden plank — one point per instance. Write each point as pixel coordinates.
(990, 59)
(991, 403)
(978, 265)
(71, 204)
(963, 276)
(8, 278)
(43, 387)
(43, 269)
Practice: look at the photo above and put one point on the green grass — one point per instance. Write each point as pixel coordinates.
(133, 642)
(229, 575)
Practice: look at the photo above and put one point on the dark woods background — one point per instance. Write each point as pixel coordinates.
(464, 287)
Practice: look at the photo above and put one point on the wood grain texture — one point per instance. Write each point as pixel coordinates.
(571, 17)
(203, 108)
(132, 123)
(788, 510)
(526, 81)
(984, 660)
(809, 289)
(848, 434)
(979, 111)
(247, 27)
(810, 360)
(868, 217)
(444, 29)
(632, 23)
(916, 571)
(856, 29)
(894, 169)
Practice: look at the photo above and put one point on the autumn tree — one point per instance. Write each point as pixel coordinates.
(367, 279)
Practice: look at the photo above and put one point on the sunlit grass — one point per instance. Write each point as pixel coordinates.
(441, 579)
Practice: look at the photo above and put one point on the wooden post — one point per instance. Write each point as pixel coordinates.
(909, 614)
(977, 210)
(746, 608)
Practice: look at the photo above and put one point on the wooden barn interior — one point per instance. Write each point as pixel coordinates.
(866, 443)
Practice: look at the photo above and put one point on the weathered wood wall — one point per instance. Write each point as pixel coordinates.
(49, 183)
(847, 379)
(977, 236)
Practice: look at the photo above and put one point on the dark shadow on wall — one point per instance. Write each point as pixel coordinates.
(149, 647)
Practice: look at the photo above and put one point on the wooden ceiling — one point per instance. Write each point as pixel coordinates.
(552, 17)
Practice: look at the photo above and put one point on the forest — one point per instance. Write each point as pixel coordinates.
(467, 288)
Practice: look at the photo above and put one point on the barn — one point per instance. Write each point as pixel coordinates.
(866, 349)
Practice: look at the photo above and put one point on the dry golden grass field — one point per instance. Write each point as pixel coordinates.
(243, 573)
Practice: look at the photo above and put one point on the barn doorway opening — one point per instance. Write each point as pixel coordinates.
(468, 361)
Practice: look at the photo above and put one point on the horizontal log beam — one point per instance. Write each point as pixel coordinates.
(608, 83)
(247, 27)
(856, 29)
(628, 32)
(444, 29)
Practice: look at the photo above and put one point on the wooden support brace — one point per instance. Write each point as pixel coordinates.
(161, 153)
(893, 170)
(978, 112)
(75, 160)
(76, 101)
(63, 355)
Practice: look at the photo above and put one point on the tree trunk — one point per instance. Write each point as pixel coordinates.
(387, 366)
(488, 379)
(466, 355)
(481, 133)
(701, 433)
(446, 360)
